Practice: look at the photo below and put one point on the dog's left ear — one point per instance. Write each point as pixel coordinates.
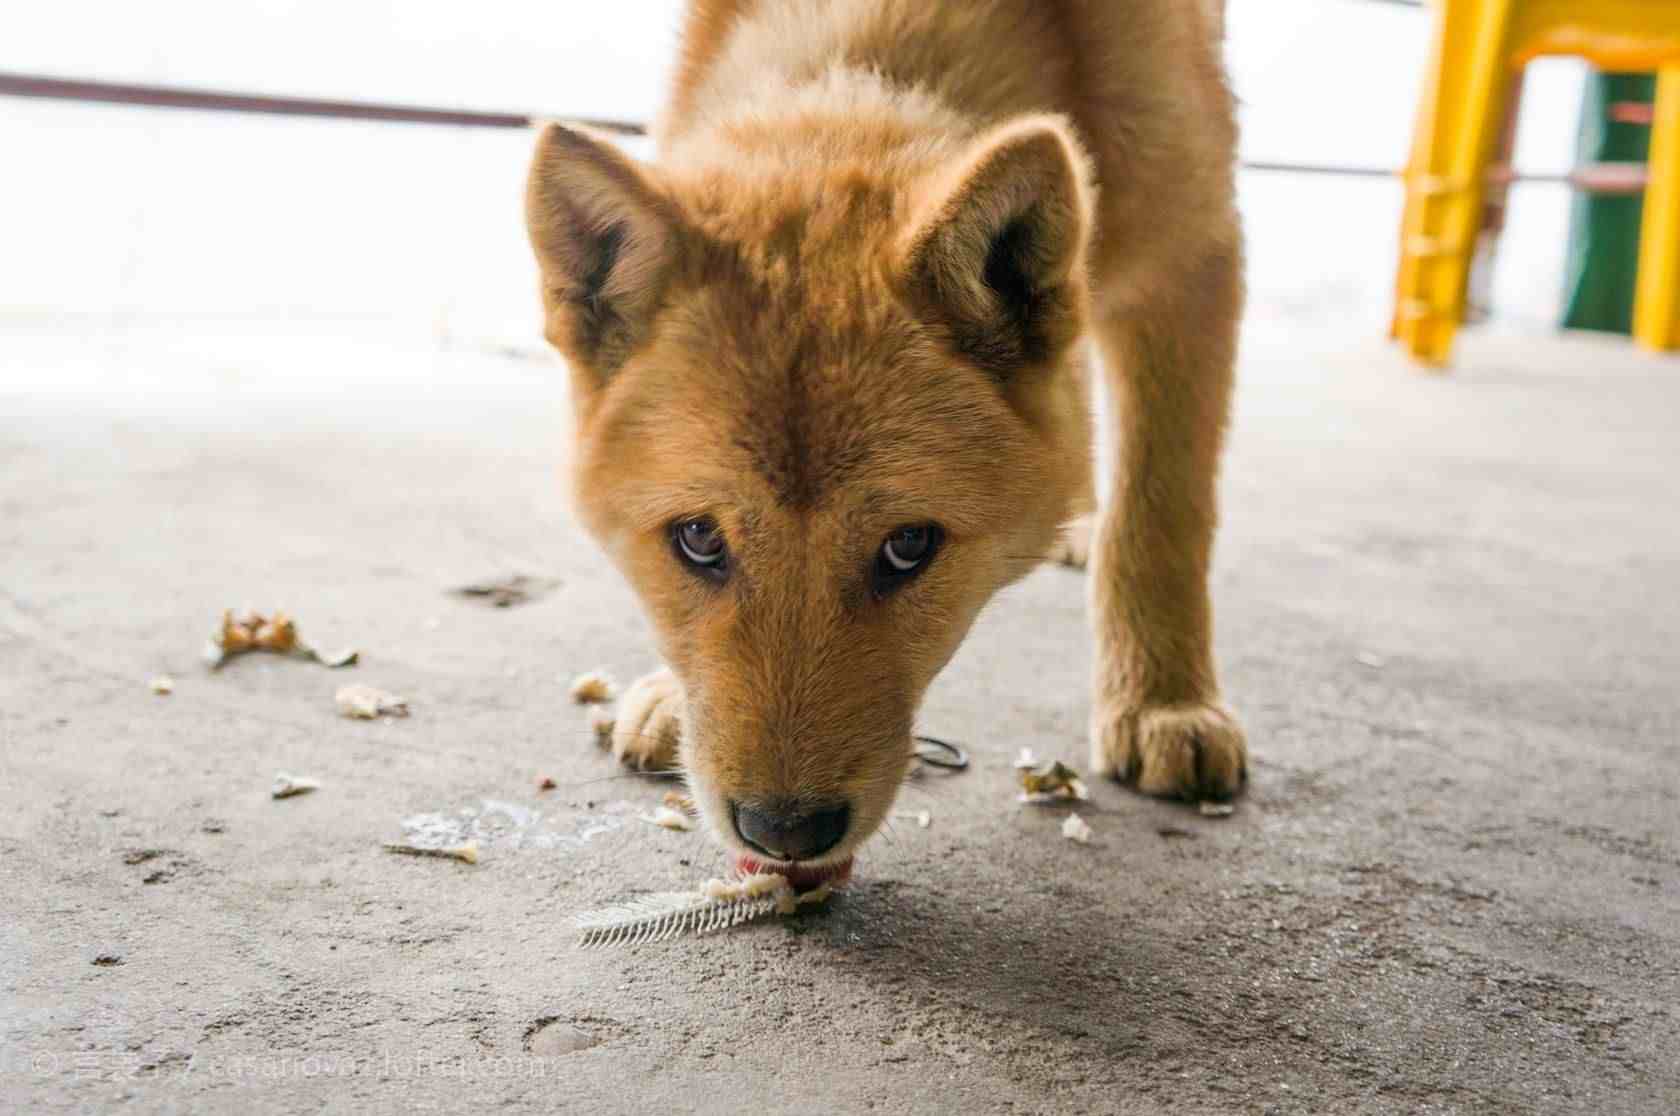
(607, 240)
(996, 247)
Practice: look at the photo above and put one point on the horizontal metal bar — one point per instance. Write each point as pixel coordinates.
(169, 96)
(1611, 178)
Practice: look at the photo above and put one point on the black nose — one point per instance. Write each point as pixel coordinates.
(789, 830)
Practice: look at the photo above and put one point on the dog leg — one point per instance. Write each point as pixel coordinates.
(648, 727)
(1156, 716)
(1072, 547)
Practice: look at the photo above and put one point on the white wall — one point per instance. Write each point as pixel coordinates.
(127, 211)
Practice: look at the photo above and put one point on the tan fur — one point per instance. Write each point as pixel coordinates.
(854, 294)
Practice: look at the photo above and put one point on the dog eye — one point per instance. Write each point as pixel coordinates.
(904, 554)
(699, 544)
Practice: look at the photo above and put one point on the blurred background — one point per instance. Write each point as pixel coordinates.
(295, 363)
(127, 215)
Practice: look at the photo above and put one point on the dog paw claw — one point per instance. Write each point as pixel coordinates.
(647, 729)
(1195, 752)
(1072, 547)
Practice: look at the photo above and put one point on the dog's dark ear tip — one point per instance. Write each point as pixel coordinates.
(605, 237)
(996, 249)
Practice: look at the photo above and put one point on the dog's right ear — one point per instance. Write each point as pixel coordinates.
(996, 245)
(606, 241)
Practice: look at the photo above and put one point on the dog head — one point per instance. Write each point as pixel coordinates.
(823, 414)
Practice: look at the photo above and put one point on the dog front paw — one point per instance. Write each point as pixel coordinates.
(648, 726)
(1073, 544)
(1193, 751)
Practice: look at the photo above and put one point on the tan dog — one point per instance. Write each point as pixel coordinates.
(829, 368)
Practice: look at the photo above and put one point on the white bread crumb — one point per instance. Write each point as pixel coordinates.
(361, 702)
(286, 786)
(163, 685)
(669, 818)
(743, 887)
(1075, 829)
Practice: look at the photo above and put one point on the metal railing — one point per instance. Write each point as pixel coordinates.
(1609, 178)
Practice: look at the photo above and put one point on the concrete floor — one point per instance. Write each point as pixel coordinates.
(1449, 613)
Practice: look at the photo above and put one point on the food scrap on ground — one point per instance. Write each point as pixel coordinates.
(602, 723)
(675, 812)
(1025, 760)
(715, 905)
(667, 818)
(289, 786)
(922, 818)
(468, 853)
(276, 634)
(1056, 783)
(162, 685)
(505, 592)
(366, 703)
(592, 688)
(546, 783)
(1216, 809)
(1075, 829)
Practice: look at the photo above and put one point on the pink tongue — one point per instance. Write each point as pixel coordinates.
(803, 877)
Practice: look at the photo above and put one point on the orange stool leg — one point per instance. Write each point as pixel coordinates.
(1656, 303)
(1466, 89)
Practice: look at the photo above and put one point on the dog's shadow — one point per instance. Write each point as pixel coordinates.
(1052, 961)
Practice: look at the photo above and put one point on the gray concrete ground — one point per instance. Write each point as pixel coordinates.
(1449, 613)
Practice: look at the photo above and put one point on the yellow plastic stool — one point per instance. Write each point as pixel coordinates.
(1479, 46)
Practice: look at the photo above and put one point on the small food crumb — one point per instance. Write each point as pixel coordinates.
(669, 818)
(1026, 759)
(1075, 829)
(677, 800)
(106, 960)
(276, 633)
(361, 702)
(744, 887)
(1370, 659)
(467, 853)
(546, 782)
(602, 723)
(592, 688)
(1216, 809)
(1056, 783)
(922, 818)
(288, 786)
(163, 685)
(789, 901)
